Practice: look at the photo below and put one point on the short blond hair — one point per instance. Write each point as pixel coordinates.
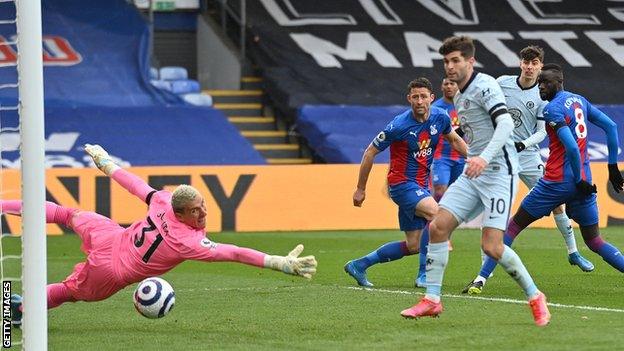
(181, 196)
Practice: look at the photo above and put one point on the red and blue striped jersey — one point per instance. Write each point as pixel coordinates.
(412, 145)
(573, 110)
(444, 149)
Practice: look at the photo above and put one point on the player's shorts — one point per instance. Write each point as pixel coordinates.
(531, 168)
(407, 195)
(95, 279)
(546, 196)
(445, 171)
(491, 194)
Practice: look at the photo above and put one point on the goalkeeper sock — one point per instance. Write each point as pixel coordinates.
(58, 294)
(385, 253)
(54, 213)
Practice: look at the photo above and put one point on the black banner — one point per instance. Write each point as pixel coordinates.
(365, 51)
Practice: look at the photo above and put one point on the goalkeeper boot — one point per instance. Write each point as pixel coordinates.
(421, 281)
(541, 315)
(16, 310)
(358, 275)
(424, 308)
(576, 259)
(473, 288)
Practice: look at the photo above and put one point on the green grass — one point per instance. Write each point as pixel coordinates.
(229, 306)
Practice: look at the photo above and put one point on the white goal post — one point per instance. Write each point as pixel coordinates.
(30, 76)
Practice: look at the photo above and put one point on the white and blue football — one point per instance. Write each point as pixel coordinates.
(154, 298)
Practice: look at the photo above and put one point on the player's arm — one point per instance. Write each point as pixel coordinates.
(135, 185)
(502, 132)
(365, 167)
(605, 123)
(535, 138)
(457, 143)
(574, 157)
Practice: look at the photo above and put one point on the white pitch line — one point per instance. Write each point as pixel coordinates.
(495, 299)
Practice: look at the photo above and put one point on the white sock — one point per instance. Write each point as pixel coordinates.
(511, 263)
(565, 228)
(437, 258)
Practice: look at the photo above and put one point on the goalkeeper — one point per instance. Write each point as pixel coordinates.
(172, 232)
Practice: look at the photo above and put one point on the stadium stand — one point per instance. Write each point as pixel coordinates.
(97, 90)
(320, 53)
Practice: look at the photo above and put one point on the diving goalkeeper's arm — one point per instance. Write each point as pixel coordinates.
(135, 185)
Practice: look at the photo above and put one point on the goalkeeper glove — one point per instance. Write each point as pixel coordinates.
(293, 264)
(520, 146)
(102, 159)
(615, 177)
(585, 188)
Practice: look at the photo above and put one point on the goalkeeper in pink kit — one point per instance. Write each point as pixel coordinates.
(172, 232)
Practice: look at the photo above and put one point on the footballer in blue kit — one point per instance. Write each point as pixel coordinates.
(567, 178)
(412, 137)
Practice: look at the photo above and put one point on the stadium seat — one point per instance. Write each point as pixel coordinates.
(153, 73)
(173, 73)
(161, 84)
(198, 99)
(184, 86)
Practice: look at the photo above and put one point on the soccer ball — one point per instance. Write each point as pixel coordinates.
(154, 297)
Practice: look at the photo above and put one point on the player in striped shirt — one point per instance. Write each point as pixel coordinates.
(568, 176)
(412, 137)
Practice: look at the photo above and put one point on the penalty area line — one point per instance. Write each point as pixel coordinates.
(492, 299)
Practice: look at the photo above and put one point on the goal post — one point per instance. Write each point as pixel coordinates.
(30, 73)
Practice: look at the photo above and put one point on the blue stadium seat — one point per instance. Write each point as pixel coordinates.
(153, 73)
(184, 86)
(161, 84)
(173, 73)
(198, 99)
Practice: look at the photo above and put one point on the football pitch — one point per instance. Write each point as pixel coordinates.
(229, 306)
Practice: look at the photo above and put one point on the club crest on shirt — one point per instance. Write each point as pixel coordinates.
(530, 104)
(466, 104)
(433, 129)
(205, 242)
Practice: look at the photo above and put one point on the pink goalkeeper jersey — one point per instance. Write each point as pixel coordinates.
(159, 242)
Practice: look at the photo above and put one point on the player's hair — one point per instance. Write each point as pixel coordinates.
(532, 52)
(181, 196)
(555, 68)
(420, 82)
(463, 44)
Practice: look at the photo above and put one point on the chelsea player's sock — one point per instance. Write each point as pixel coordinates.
(437, 258)
(512, 264)
(608, 252)
(385, 253)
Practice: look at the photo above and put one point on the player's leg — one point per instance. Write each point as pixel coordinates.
(565, 228)
(456, 206)
(539, 202)
(427, 208)
(532, 171)
(585, 212)
(497, 195)
(54, 213)
(408, 196)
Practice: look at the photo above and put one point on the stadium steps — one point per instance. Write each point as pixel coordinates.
(246, 110)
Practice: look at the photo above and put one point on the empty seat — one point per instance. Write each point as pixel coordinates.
(184, 86)
(161, 84)
(198, 99)
(173, 73)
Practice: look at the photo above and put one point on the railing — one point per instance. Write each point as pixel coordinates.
(239, 18)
